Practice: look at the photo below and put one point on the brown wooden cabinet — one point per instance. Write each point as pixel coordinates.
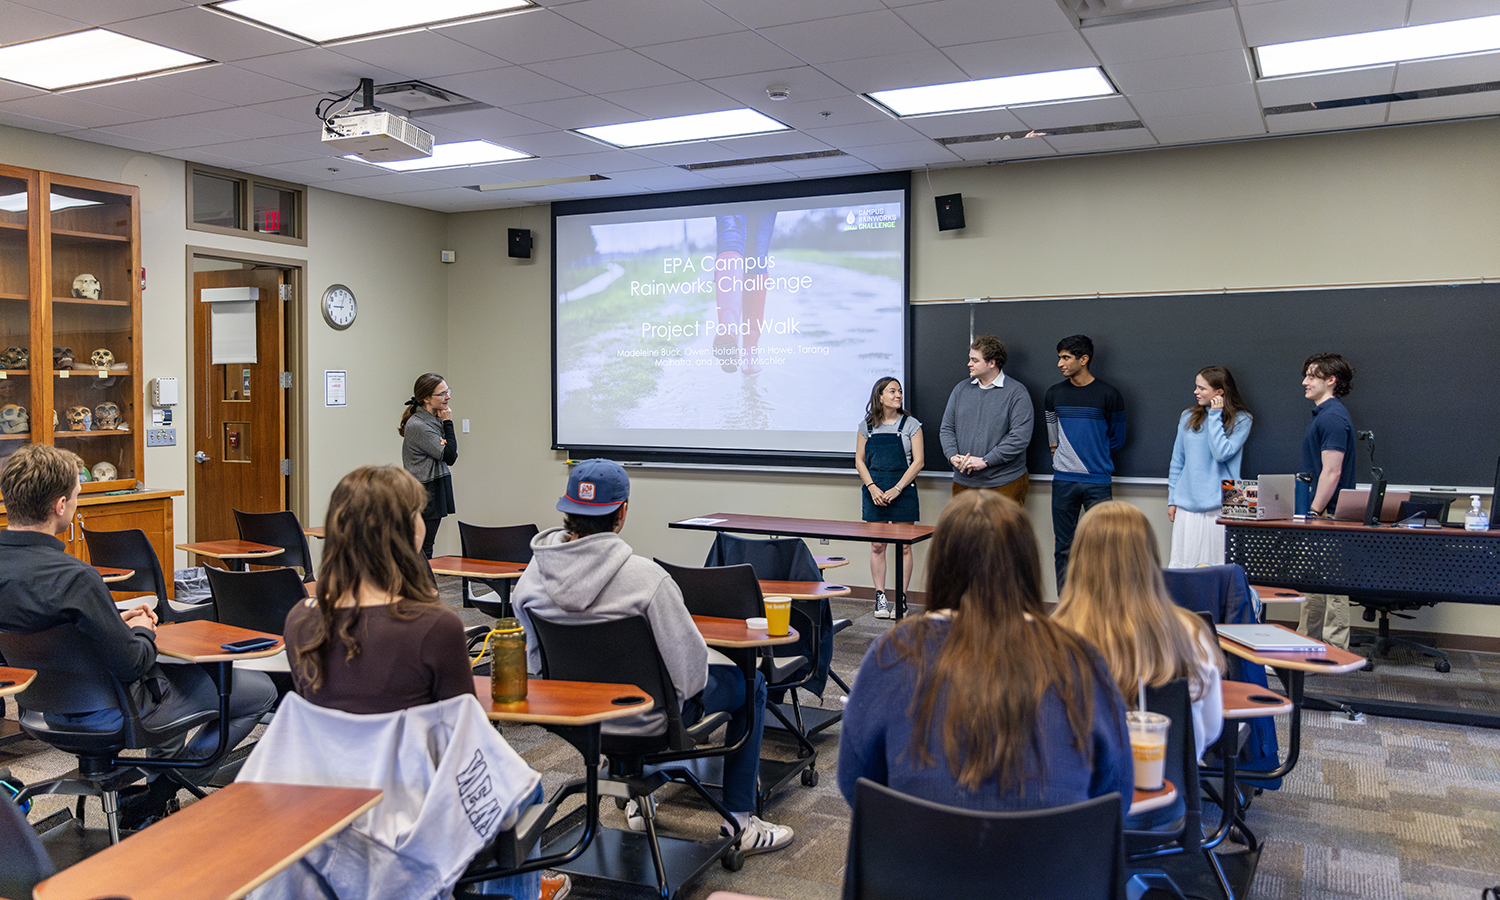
(150, 511)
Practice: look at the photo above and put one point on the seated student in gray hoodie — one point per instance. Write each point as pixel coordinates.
(585, 571)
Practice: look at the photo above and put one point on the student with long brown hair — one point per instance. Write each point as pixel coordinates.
(888, 454)
(1115, 598)
(1210, 443)
(429, 446)
(984, 702)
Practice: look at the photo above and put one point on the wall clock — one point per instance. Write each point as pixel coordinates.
(339, 306)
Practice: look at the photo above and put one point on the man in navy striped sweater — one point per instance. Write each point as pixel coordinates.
(1085, 426)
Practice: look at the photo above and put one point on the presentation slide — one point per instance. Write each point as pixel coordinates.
(752, 326)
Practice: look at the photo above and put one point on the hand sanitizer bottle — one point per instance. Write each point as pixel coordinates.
(1475, 519)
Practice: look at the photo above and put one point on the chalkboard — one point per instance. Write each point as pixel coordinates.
(1426, 361)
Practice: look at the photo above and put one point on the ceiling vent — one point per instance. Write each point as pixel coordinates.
(1050, 132)
(421, 97)
(1384, 98)
(760, 160)
(1103, 12)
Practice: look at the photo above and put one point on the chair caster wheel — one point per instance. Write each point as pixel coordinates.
(809, 777)
(1442, 665)
(734, 860)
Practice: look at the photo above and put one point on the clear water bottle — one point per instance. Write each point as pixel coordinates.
(507, 662)
(1475, 519)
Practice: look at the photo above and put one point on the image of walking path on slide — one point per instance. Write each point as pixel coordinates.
(816, 376)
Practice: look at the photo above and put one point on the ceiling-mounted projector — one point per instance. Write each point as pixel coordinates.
(377, 137)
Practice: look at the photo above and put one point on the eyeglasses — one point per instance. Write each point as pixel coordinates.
(444, 394)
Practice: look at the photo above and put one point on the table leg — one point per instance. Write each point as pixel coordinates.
(898, 587)
(1293, 679)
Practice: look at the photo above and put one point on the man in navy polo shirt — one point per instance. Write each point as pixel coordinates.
(1327, 453)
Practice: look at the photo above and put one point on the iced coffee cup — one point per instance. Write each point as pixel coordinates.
(1148, 744)
(778, 615)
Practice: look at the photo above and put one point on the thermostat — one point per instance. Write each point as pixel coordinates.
(163, 392)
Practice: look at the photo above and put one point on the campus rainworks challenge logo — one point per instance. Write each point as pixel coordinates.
(871, 217)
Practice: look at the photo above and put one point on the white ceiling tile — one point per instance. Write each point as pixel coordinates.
(301, 110)
(685, 154)
(420, 55)
(174, 133)
(152, 97)
(319, 69)
(662, 179)
(207, 34)
(1325, 86)
(846, 110)
(881, 73)
(636, 23)
(1477, 68)
(102, 136)
(25, 23)
(683, 98)
(609, 162)
(308, 142)
(233, 85)
(257, 153)
(530, 37)
(575, 112)
(491, 124)
(993, 121)
(1458, 106)
(69, 110)
(1179, 72)
(866, 134)
(1424, 12)
(1194, 101)
(506, 87)
(825, 167)
(804, 82)
(878, 33)
(516, 170)
(386, 182)
(617, 70)
(32, 123)
(1081, 112)
(550, 144)
(949, 23)
(1300, 20)
(310, 171)
(1328, 119)
(736, 53)
(1142, 39)
(94, 12)
(203, 157)
(1206, 127)
(773, 144)
(9, 90)
(244, 123)
(1021, 56)
(1096, 141)
(760, 14)
(900, 156)
(1031, 148)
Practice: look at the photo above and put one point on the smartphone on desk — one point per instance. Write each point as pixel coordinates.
(248, 644)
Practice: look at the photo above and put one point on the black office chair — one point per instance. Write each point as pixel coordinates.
(902, 847)
(24, 862)
(1380, 610)
(624, 651)
(131, 549)
(72, 680)
(259, 600)
(505, 543)
(278, 529)
(733, 592)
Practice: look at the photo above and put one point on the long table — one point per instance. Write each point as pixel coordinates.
(1418, 565)
(901, 535)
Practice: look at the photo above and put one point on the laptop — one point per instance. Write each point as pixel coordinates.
(1271, 638)
(1276, 496)
(1352, 503)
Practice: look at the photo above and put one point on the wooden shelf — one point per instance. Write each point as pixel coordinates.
(70, 374)
(12, 226)
(108, 432)
(89, 236)
(22, 297)
(84, 301)
(23, 436)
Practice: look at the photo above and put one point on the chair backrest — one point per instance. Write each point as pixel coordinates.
(774, 559)
(71, 679)
(23, 860)
(257, 600)
(902, 847)
(1222, 591)
(729, 592)
(279, 529)
(130, 549)
(619, 651)
(1175, 701)
(504, 543)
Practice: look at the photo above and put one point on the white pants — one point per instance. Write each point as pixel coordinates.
(1196, 540)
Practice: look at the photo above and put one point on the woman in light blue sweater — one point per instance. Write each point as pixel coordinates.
(1210, 443)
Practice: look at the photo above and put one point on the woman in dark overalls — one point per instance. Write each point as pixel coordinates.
(888, 455)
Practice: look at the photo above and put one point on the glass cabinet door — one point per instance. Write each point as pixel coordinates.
(17, 400)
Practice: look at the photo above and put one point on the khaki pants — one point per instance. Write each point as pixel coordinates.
(1015, 490)
(1326, 617)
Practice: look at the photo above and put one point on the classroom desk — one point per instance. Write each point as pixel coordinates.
(236, 553)
(803, 590)
(111, 574)
(199, 642)
(1146, 801)
(244, 834)
(14, 680)
(901, 535)
(1417, 565)
(314, 531)
(830, 562)
(478, 569)
(1268, 594)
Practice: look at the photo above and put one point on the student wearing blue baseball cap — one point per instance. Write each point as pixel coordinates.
(585, 570)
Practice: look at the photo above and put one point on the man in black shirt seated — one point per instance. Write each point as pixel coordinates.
(41, 586)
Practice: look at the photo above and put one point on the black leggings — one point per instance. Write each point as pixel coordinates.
(432, 530)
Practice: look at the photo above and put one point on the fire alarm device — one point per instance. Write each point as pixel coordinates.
(163, 392)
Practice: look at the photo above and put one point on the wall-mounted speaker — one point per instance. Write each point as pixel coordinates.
(518, 243)
(950, 212)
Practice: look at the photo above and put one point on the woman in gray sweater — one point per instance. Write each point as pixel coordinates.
(429, 446)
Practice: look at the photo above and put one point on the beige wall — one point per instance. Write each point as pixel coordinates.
(1402, 204)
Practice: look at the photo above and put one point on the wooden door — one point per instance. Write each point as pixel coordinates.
(239, 410)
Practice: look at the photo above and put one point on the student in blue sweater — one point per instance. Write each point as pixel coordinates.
(1210, 443)
(1085, 426)
(984, 702)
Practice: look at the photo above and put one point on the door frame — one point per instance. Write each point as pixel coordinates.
(297, 495)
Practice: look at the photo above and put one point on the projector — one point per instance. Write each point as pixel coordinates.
(377, 137)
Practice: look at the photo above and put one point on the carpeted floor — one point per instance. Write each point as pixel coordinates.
(1375, 809)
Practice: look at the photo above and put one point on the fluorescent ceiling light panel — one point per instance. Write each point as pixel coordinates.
(452, 156)
(1351, 51)
(87, 57)
(321, 21)
(992, 93)
(681, 129)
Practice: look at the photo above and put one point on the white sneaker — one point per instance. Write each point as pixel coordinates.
(884, 609)
(761, 836)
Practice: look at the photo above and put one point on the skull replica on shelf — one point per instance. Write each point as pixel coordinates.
(79, 418)
(62, 358)
(86, 287)
(15, 358)
(102, 358)
(104, 471)
(14, 420)
(106, 417)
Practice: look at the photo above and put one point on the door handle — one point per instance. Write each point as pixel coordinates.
(200, 457)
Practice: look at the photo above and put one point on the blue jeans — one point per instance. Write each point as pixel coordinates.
(1069, 500)
(526, 886)
(725, 692)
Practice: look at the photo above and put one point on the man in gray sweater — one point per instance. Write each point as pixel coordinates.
(987, 425)
(585, 571)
